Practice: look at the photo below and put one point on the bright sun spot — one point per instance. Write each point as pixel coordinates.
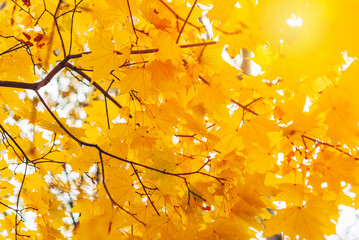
(294, 21)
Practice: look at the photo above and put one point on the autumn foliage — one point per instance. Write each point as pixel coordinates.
(156, 119)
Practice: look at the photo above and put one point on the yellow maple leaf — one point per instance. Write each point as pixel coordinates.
(311, 221)
(106, 55)
(120, 181)
(168, 50)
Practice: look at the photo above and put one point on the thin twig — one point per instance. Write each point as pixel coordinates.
(144, 189)
(204, 80)
(58, 28)
(244, 107)
(108, 119)
(95, 84)
(18, 198)
(154, 50)
(329, 145)
(184, 24)
(178, 16)
(22, 9)
(82, 143)
(109, 194)
(72, 24)
(17, 145)
(133, 25)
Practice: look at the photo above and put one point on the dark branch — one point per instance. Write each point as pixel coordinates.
(110, 196)
(154, 50)
(329, 145)
(244, 107)
(184, 24)
(178, 16)
(43, 82)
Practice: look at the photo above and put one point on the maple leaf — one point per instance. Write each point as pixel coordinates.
(105, 56)
(166, 46)
(309, 221)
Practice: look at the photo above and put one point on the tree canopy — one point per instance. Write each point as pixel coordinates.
(156, 119)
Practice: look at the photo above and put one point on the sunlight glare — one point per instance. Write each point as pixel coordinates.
(294, 21)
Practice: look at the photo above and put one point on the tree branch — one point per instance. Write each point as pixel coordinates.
(95, 84)
(154, 50)
(43, 82)
(178, 16)
(243, 107)
(184, 24)
(329, 145)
